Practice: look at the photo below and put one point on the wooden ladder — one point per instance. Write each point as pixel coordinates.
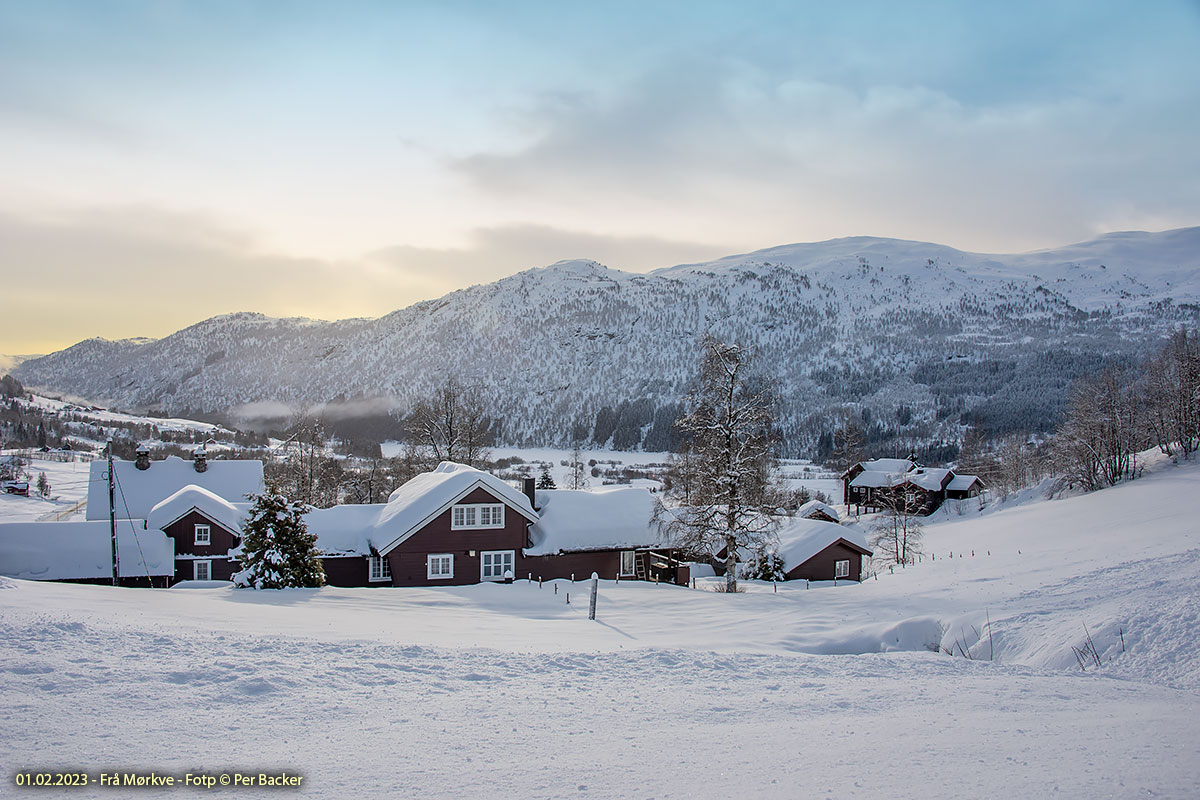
(639, 565)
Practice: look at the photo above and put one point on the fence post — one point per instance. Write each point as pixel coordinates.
(595, 591)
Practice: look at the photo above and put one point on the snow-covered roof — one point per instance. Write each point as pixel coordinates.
(801, 539)
(887, 465)
(960, 483)
(592, 520)
(216, 508)
(412, 505)
(345, 530)
(929, 478)
(138, 490)
(48, 551)
(813, 506)
(870, 479)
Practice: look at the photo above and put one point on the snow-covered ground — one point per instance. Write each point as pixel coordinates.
(507, 691)
(68, 489)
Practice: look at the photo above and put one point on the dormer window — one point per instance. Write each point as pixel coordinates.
(477, 516)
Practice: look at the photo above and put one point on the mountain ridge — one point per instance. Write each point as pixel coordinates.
(894, 330)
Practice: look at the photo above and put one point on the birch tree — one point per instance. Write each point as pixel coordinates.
(1097, 444)
(728, 430)
(451, 426)
(1171, 391)
(897, 532)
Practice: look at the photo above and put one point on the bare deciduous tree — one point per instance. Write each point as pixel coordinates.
(1097, 444)
(728, 430)
(578, 468)
(897, 532)
(848, 442)
(1171, 394)
(305, 470)
(451, 426)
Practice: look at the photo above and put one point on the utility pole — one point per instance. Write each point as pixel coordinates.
(112, 511)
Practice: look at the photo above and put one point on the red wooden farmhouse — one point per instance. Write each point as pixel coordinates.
(182, 521)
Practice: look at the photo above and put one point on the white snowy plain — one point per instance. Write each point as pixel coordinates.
(507, 691)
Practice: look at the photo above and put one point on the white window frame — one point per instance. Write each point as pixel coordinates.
(469, 516)
(632, 556)
(439, 576)
(207, 540)
(841, 569)
(379, 569)
(511, 564)
(207, 569)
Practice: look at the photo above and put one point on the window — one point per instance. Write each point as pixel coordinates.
(489, 515)
(627, 562)
(202, 570)
(841, 569)
(495, 564)
(440, 566)
(381, 568)
(203, 535)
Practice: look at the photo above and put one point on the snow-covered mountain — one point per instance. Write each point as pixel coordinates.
(916, 336)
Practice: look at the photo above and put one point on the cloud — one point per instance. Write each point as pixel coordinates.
(772, 153)
(498, 251)
(137, 271)
(123, 272)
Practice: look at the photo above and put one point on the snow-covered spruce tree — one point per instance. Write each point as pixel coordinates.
(278, 552)
(766, 566)
(728, 432)
(545, 480)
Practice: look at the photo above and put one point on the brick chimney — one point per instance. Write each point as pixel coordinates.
(527, 487)
(141, 458)
(200, 459)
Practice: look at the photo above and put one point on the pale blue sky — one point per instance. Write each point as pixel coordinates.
(346, 159)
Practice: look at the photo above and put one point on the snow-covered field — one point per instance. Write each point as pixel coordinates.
(68, 489)
(507, 691)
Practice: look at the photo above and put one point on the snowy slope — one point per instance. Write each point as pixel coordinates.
(884, 322)
(507, 691)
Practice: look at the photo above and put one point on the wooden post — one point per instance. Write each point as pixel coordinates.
(595, 592)
(112, 513)
(556, 588)
(568, 598)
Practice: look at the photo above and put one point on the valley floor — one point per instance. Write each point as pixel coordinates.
(507, 691)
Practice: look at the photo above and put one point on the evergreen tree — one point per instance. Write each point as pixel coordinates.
(767, 565)
(278, 552)
(545, 481)
(43, 485)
